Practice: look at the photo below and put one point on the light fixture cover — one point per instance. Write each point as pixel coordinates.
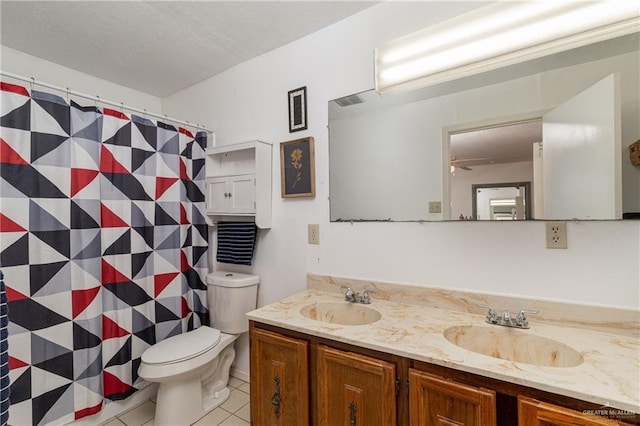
(500, 34)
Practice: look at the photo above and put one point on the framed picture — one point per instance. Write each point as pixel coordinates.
(297, 168)
(298, 109)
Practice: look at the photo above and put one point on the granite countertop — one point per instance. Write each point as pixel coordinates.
(609, 374)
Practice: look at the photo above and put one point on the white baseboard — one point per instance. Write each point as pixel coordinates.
(116, 408)
(238, 374)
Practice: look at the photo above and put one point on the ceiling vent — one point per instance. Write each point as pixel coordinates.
(349, 100)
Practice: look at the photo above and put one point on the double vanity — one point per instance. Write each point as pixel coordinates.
(425, 356)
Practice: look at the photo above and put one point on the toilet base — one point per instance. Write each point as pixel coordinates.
(184, 400)
(188, 411)
(213, 401)
(192, 407)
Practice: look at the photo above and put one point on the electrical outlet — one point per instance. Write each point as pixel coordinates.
(556, 235)
(435, 207)
(314, 233)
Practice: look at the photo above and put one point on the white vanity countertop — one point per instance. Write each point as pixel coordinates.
(609, 375)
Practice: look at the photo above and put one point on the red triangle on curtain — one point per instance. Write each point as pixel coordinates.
(112, 385)
(162, 184)
(13, 88)
(16, 363)
(186, 310)
(184, 220)
(185, 132)
(161, 281)
(111, 275)
(7, 225)
(9, 156)
(183, 171)
(88, 411)
(184, 262)
(114, 113)
(80, 299)
(112, 330)
(109, 219)
(108, 163)
(13, 295)
(80, 178)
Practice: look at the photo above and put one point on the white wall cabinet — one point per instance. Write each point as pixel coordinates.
(239, 182)
(232, 194)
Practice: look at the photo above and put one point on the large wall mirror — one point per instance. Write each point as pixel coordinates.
(554, 133)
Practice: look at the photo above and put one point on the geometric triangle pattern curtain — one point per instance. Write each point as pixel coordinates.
(103, 249)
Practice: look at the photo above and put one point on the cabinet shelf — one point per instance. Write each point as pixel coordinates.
(238, 182)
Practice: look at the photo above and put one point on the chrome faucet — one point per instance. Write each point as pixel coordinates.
(351, 296)
(506, 320)
(366, 299)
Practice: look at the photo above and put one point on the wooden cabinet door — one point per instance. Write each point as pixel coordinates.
(279, 380)
(434, 400)
(354, 390)
(532, 412)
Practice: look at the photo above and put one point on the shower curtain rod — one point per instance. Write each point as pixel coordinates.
(97, 98)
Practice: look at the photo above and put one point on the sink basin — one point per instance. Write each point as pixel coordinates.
(513, 345)
(344, 313)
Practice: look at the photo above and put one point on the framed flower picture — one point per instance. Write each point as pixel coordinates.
(297, 168)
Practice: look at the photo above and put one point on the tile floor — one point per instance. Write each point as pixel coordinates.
(233, 412)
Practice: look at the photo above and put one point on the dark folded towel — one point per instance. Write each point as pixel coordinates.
(236, 241)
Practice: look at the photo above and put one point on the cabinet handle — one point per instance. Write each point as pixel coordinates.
(276, 399)
(352, 414)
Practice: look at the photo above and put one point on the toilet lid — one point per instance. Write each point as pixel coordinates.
(182, 347)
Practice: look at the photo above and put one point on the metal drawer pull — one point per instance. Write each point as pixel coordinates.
(352, 414)
(276, 399)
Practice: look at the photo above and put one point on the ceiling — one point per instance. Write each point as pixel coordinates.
(161, 47)
(496, 145)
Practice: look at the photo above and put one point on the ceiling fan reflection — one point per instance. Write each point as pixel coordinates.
(464, 164)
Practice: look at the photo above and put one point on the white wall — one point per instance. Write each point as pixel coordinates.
(20, 63)
(250, 102)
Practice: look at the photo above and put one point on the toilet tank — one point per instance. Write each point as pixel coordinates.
(230, 296)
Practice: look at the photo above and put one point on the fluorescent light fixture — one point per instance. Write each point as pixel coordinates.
(500, 34)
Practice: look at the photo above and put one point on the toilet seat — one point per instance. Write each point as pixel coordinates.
(182, 347)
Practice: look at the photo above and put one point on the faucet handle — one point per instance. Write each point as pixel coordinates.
(349, 294)
(492, 316)
(366, 299)
(521, 319)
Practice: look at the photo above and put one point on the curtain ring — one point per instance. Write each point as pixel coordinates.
(96, 100)
(68, 95)
(33, 82)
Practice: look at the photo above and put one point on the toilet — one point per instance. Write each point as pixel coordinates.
(192, 368)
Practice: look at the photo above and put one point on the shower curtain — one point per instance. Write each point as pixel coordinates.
(103, 249)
